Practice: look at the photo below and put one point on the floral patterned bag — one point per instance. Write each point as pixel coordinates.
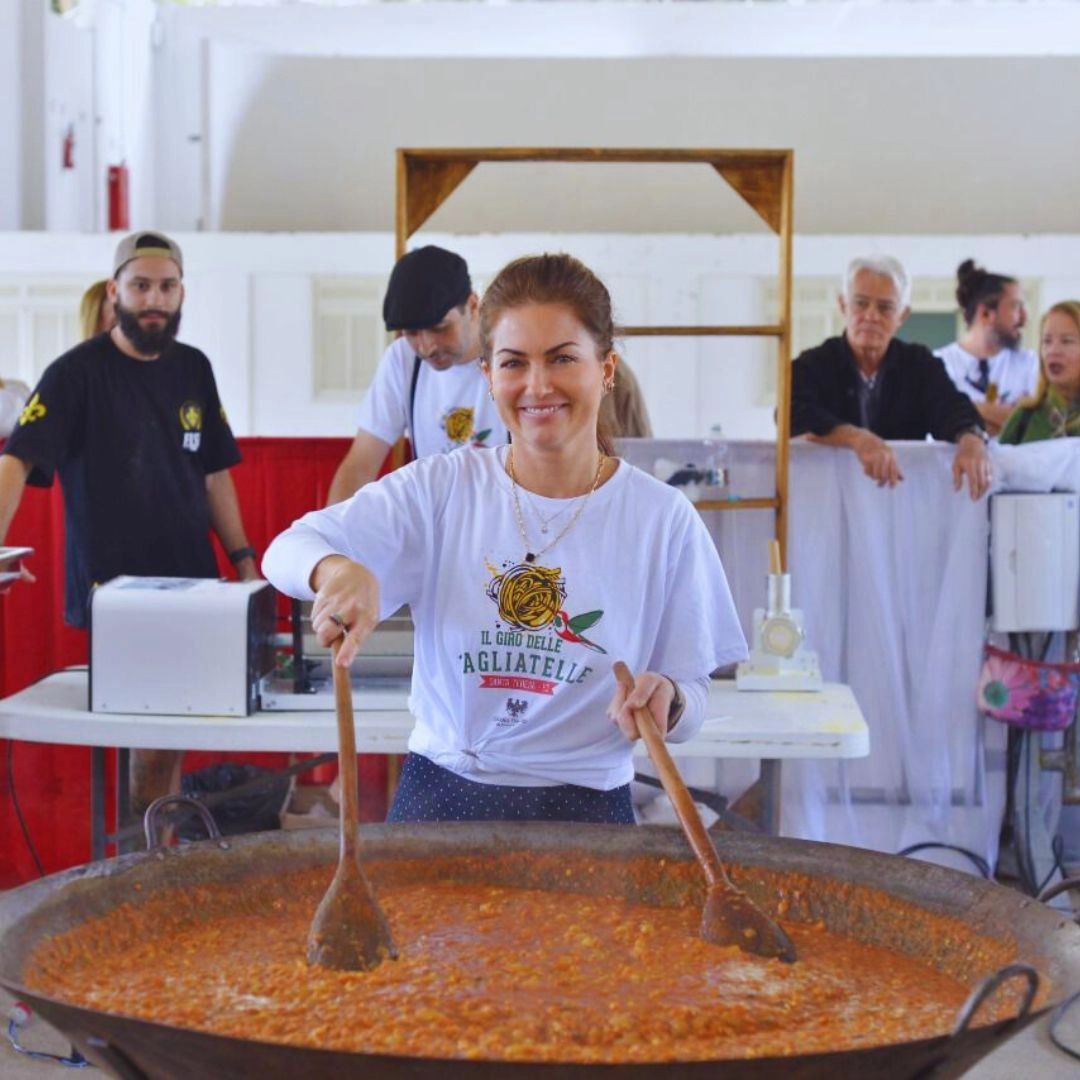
(1032, 694)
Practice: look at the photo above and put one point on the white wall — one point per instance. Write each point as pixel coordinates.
(31, 97)
(10, 116)
(93, 70)
(249, 306)
(285, 117)
(69, 66)
(904, 117)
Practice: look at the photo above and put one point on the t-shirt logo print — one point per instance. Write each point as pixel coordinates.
(33, 410)
(531, 597)
(459, 424)
(515, 713)
(191, 423)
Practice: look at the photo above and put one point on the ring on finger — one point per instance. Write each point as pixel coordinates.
(339, 622)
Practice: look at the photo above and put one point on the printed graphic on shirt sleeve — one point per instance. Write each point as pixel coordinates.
(191, 423)
(32, 410)
(459, 424)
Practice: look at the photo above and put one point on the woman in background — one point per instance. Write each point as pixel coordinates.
(623, 414)
(1054, 410)
(96, 313)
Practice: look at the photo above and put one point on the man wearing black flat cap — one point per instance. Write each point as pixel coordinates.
(428, 384)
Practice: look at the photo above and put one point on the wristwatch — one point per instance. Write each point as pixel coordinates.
(974, 430)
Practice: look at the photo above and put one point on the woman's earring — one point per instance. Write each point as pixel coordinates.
(609, 386)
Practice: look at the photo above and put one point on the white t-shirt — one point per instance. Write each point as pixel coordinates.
(452, 408)
(1013, 371)
(13, 398)
(512, 673)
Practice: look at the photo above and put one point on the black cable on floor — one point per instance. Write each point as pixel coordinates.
(1056, 1018)
(1057, 848)
(18, 809)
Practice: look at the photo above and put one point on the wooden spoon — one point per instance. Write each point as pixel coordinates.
(349, 931)
(775, 566)
(730, 917)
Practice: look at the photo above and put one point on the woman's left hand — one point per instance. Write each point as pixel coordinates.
(652, 692)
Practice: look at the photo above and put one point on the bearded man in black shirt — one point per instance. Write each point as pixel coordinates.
(132, 423)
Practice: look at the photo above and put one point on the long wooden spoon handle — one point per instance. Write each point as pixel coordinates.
(775, 565)
(675, 787)
(350, 799)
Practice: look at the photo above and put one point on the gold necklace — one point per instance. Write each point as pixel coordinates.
(532, 556)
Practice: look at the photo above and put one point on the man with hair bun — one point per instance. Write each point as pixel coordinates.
(987, 363)
(866, 386)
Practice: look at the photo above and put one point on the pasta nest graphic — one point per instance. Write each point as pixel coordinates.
(459, 425)
(529, 597)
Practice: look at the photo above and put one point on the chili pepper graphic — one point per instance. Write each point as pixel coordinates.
(569, 628)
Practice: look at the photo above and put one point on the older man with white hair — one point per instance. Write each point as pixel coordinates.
(866, 386)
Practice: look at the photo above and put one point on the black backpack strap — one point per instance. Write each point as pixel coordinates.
(412, 403)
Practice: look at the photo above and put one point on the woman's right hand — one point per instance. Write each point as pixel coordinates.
(346, 604)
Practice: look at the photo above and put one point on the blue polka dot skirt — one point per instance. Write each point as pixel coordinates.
(428, 792)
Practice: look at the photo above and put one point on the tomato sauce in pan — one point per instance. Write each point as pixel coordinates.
(492, 972)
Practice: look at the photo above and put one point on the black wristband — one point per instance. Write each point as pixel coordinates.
(240, 554)
(678, 704)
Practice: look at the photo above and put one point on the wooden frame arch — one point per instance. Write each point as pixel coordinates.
(763, 178)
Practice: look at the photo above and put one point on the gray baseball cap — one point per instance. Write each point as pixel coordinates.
(139, 244)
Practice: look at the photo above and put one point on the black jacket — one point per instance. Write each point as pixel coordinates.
(917, 396)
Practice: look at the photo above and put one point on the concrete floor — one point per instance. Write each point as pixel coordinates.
(1029, 1054)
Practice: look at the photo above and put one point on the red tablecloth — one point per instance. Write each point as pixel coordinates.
(278, 480)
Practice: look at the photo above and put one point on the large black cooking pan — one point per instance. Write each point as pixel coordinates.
(876, 898)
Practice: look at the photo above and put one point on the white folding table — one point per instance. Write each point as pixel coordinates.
(765, 726)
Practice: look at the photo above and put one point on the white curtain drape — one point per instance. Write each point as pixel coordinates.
(892, 584)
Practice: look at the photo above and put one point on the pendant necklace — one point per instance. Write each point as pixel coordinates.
(545, 522)
(532, 556)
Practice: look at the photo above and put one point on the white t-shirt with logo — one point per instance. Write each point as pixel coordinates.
(513, 661)
(1013, 371)
(452, 408)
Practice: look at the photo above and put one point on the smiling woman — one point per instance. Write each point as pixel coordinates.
(522, 594)
(546, 331)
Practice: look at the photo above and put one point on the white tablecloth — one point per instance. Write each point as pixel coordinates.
(892, 583)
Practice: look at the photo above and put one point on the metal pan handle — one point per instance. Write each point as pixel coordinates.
(990, 984)
(1057, 889)
(153, 825)
(104, 1054)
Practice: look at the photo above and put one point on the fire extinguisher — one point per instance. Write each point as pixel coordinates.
(68, 150)
(118, 197)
